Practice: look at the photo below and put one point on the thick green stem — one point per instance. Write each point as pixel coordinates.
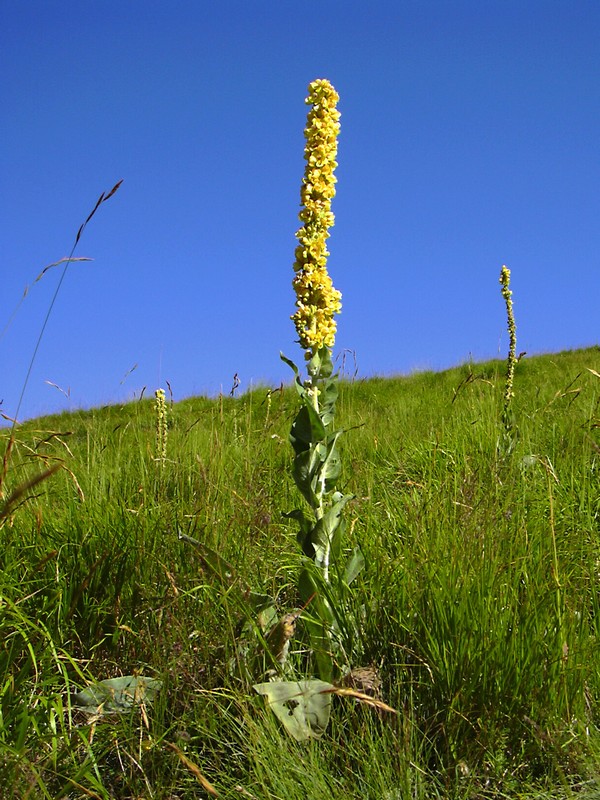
(319, 509)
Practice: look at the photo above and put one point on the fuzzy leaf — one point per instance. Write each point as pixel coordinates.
(301, 706)
(116, 695)
(307, 428)
(314, 365)
(290, 364)
(337, 541)
(332, 465)
(325, 529)
(303, 471)
(330, 391)
(320, 365)
(297, 381)
(328, 398)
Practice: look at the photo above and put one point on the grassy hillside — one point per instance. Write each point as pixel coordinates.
(479, 604)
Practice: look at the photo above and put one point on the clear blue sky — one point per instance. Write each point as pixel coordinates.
(470, 137)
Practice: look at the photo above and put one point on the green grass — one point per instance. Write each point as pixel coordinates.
(479, 601)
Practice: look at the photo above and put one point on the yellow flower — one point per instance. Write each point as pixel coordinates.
(317, 301)
(161, 425)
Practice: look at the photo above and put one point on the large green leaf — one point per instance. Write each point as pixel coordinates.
(301, 706)
(307, 428)
(116, 695)
(329, 392)
(314, 366)
(332, 465)
(304, 468)
(328, 398)
(320, 365)
(322, 537)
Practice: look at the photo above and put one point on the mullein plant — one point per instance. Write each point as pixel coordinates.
(314, 438)
(507, 415)
(160, 406)
(328, 570)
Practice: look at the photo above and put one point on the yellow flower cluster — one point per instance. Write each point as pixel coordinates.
(317, 301)
(161, 424)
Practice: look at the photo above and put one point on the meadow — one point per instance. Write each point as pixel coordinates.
(478, 604)
(344, 588)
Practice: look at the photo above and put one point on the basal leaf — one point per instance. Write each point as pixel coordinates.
(301, 706)
(116, 695)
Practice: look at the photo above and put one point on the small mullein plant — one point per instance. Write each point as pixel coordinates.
(327, 571)
(508, 423)
(160, 407)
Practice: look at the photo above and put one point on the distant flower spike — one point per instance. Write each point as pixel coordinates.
(317, 301)
(161, 425)
(507, 417)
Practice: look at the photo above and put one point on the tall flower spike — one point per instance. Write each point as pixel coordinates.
(507, 416)
(161, 425)
(317, 301)
(512, 333)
